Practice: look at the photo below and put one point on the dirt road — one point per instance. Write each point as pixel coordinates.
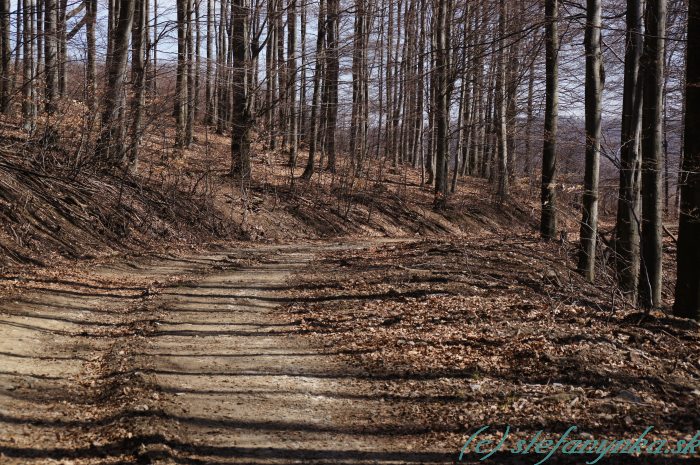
(185, 360)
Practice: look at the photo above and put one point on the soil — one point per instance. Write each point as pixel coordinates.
(352, 352)
(185, 360)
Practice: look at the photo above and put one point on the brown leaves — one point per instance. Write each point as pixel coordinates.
(500, 328)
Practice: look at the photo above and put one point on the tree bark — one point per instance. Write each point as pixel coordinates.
(628, 206)
(91, 72)
(28, 91)
(241, 119)
(331, 81)
(594, 89)
(652, 155)
(191, 92)
(548, 222)
(687, 303)
(154, 61)
(5, 56)
(138, 80)
(209, 94)
(316, 98)
(502, 99)
(62, 45)
(109, 145)
(442, 109)
(292, 138)
(181, 75)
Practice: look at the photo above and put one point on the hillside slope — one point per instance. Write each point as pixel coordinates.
(49, 208)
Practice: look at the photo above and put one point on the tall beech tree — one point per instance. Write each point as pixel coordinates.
(548, 221)
(241, 118)
(91, 71)
(502, 109)
(594, 91)
(292, 129)
(28, 85)
(50, 55)
(181, 86)
(138, 79)
(5, 56)
(330, 100)
(652, 154)
(441, 81)
(316, 97)
(628, 205)
(110, 146)
(687, 302)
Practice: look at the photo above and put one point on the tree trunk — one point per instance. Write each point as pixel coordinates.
(303, 120)
(5, 56)
(548, 223)
(628, 206)
(191, 92)
(652, 155)
(292, 84)
(442, 110)
(91, 72)
(109, 145)
(38, 39)
(209, 94)
(502, 99)
(196, 108)
(331, 81)
(18, 49)
(389, 85)
(181, 76)
(154, 61)
(241, 119)
(138, 80)
(50, 54)
(687, 304)
(62, 45)
(271, 71)
(316, 98)
(594, 89)
(28, 92)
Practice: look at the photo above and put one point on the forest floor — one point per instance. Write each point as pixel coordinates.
(171, 317)
(348, 352)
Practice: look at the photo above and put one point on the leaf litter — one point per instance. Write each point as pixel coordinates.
(501, 331)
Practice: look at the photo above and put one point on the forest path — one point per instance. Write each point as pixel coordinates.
(202, 371)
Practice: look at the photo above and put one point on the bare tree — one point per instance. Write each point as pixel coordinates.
(209, 90)
(628, 206)
(91, 72)
(241, 119)
(181, 86)
(594, 91)
(316, 98)
(109, 147)
(28, 86)
(502, 110)
(548, 223)
(5, 56)
(138, 79)
(687, 302)
(330, 102)
(652, 154)
(292, 131)
(442, 100)
(50, 55)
